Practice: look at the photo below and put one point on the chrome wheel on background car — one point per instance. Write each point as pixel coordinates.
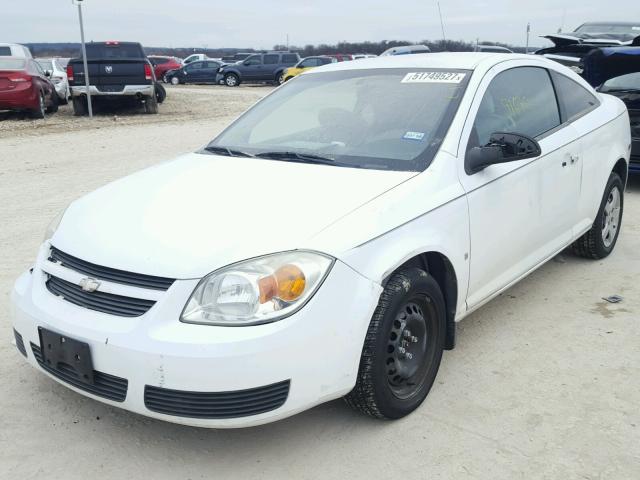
(231, 80)
(611, 217)
(175, 81)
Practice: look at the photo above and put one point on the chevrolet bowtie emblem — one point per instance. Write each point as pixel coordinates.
(89, 284)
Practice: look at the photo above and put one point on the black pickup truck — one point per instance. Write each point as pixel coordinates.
(117, 70)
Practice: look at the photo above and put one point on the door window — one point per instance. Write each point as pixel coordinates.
(289, 58)
(270, 59)
(521, 100)
(193, 67)
(575, 100)
(309, 62)
(253, 60)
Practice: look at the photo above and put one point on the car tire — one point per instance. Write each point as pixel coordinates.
(79, 106)
(231, 80)
(175, 81)
(161, 92)
(151, 105)
(601, 238)
(402, 348)
(53, 108)
(39, 112)
(280, 78)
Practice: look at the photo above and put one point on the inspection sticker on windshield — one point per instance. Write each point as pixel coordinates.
(433, 77)
(414, 136)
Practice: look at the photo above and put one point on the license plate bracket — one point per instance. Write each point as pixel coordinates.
(66, 355)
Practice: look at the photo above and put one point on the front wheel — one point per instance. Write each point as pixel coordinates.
(280, 78)
(231, 80)
(403, 347)
(175, 81)
(601, 239)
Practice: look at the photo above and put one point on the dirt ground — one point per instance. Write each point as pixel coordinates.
(544, 381)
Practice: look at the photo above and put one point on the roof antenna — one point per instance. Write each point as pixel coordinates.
(444, 38)
(564, 13)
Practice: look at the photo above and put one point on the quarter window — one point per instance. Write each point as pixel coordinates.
(575, 100)
(520, 100)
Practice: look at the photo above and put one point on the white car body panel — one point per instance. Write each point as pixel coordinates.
(17, 50)
(186, 218)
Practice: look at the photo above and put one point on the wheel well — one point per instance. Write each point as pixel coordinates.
(441, 269)
(621, 169)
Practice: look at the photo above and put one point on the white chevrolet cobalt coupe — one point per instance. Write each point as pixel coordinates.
(326, 243)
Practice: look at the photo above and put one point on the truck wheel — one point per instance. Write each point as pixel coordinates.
(79, 106)
(231, 80)
(175, 81)
(53, 108)
(280, 78)
(601, 239)
(151, 105)
(161, 93)
(403, 347)
(39, 111)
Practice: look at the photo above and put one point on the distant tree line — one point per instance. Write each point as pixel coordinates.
(376, 48)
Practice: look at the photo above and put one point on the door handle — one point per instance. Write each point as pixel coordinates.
(574, 158)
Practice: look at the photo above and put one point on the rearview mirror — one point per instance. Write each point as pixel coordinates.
(502, 148)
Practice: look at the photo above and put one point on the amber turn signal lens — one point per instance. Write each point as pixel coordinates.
(291, 282)
(287, 283)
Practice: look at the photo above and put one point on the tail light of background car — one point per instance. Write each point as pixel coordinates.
(10, 80)
(148, 75)
(70, 73)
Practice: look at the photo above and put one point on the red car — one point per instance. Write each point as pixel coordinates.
(24, 87)
(161, 65)
(342, 57)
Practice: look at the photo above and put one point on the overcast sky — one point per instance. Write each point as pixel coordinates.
(262, 24)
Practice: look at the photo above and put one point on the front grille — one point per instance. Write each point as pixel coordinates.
(98, 301)
(110, 274)
(19, 343)
(105, 385)
(216, 405)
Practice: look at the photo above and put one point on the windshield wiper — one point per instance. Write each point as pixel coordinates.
(301, 157)
(229, 152)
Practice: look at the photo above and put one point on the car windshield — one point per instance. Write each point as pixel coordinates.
(388, 119)
(12, 64)
(46, 64)
(630, 81)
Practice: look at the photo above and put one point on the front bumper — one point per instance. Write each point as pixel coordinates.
(128, 90)
(316, 352)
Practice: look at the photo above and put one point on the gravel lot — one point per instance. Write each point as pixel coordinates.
(544, 382)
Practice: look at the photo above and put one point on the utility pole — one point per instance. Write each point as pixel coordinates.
(444, 38)
(526, 49)
(84, 58)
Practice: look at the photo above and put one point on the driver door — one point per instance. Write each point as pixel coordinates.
(521, 212)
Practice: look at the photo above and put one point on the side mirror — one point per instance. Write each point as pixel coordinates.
(502, 148)
(47, 73)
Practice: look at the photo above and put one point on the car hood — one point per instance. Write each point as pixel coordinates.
(188, 217)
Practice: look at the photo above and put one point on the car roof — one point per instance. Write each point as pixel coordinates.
(444, 60)
(622, 24)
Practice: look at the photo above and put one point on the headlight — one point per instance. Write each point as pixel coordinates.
(257, 291)
(53, 225)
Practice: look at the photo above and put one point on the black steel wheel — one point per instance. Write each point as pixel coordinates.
(403, 347)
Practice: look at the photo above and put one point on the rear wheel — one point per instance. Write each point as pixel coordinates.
(403, 347)
(40, 109)
(53, 108)
(601, 239)
(79, 106)
(280, 78)
(175, 81)
(151, 105)
(231, 80)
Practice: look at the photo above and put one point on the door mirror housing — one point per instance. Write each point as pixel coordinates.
(502, 148)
